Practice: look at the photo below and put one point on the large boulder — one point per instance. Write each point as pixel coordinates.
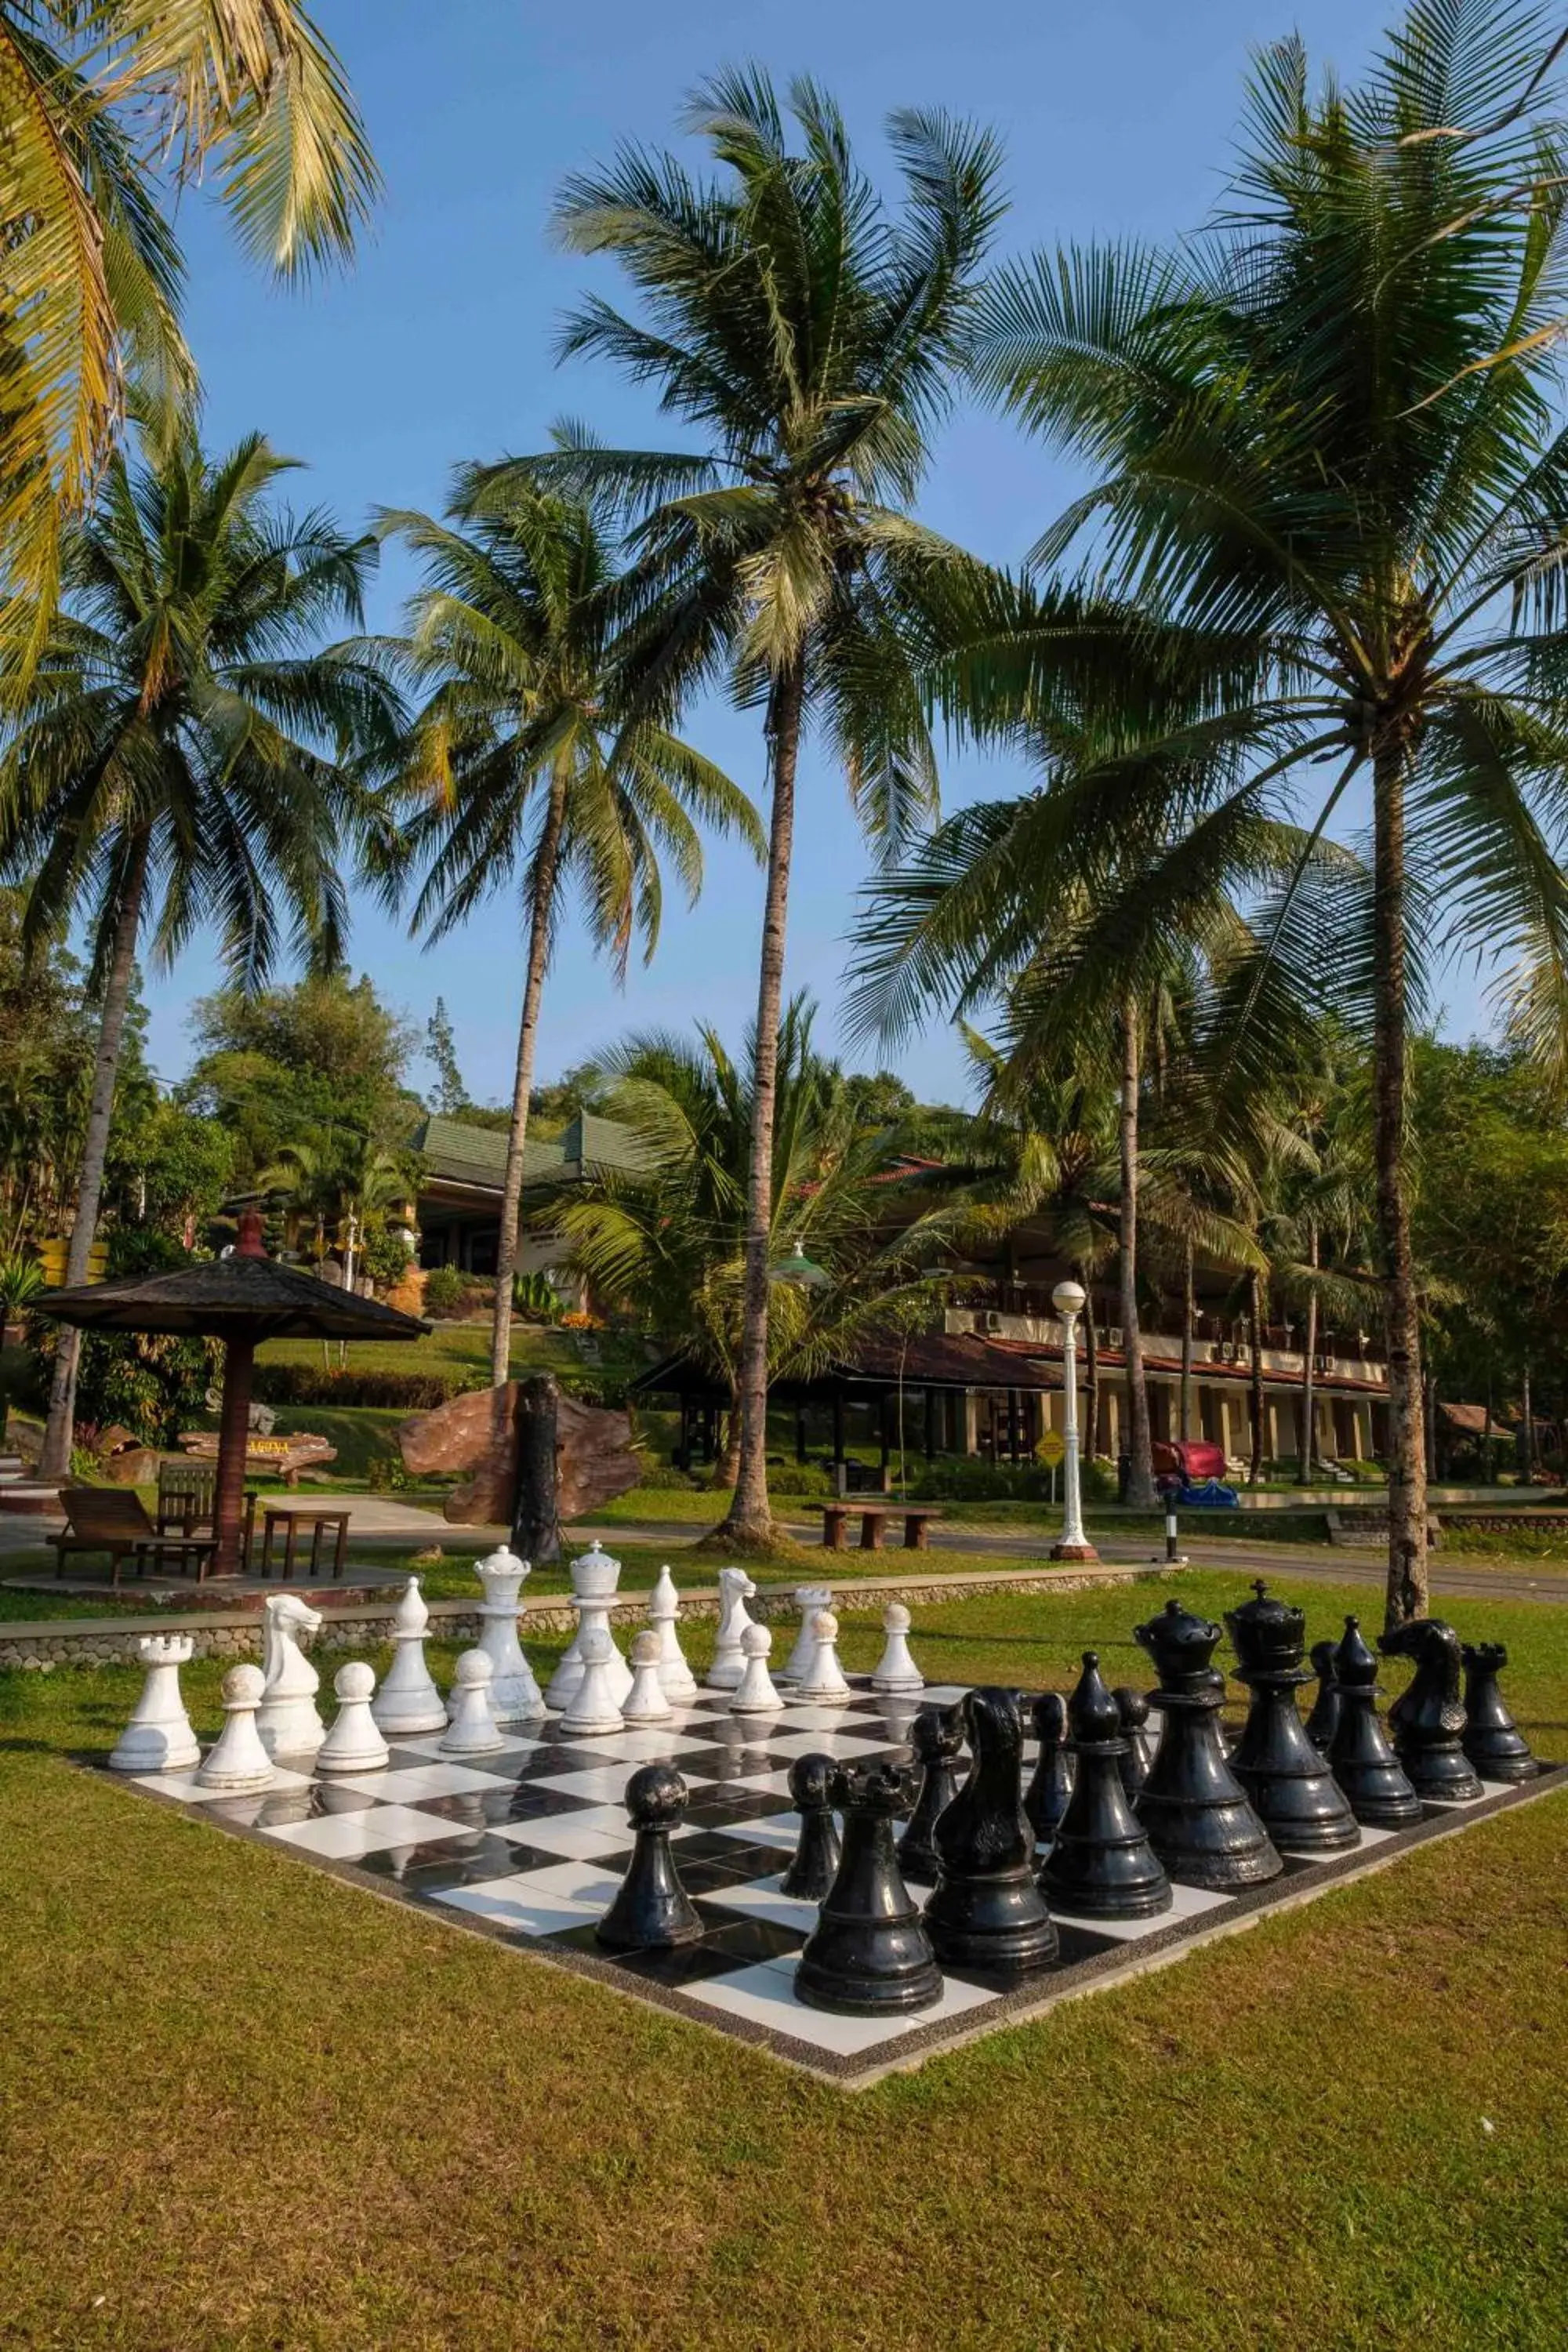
(477, 1433)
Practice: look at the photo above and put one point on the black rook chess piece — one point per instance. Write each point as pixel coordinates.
(1492, 1740)
(650, 1908)
(987, 1912)
(1293, 1792)
(936, 1736)
(1133, 1709)
(1194, 1808)
(817, 1853)
(1325, 1712)
(1426, 1719)
(1045, 1798)
(1360, 1756)
(869, 1955)
(1101, 1865)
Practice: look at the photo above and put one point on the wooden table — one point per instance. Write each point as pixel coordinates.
(292, 1517)
(873, 1518)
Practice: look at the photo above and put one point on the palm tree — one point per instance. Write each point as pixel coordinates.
(518, 767)
(163, 773)
(813, 340)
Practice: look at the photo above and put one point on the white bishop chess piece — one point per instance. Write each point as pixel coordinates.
(353, 1744)
(472, 1730)
(664, 1610)
(514, 1694)
(593, 1707)
(158, 1738)
(823, 1683)
(287, 1720)
(755, 1693)
(236, 1762)
(897, 1674)
(647, 1702)
(735, 1588)
(409, 1701)
(808, 1599)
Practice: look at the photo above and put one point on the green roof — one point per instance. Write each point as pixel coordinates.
(476, 1155)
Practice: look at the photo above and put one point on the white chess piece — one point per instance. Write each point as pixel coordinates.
(647, 1702)
(664, 1610)
(472, 1730)
(593, 1707)
(595, 1577)
(808, 1599)
(755, 1693)
(823, 1683)
(287, 1720)
(353, 1744)
(158, 1738)
(896, 1671)
(735, 1588)
(409, 1701)
(514, 1694)
(237, 1762)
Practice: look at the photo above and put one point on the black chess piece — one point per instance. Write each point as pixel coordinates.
(1293, 1792)
(1426, 1719)
(1492, 1740)
(1195, 1812)
(987, 1912)
(869, 1955)
(936, 1736)
(651, 1909)
(1325, 1715)
(1101, 1865)
(1045, 1798)
(817, 1850)
(1360, 1757)
(1133, 1709)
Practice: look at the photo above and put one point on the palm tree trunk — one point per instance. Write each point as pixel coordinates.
(1254, 1465)
(751, 1514)
(1090, 1370)
(1140, 1454)
(1408, 1587)
(54, 1461)
(546, 870)
(1308, 1445)
(1189, 1315)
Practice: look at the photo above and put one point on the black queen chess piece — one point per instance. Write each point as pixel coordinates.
(936, 1736)
(1325, 1712)
(987, 1911)
(1293, 1792)
(869, 1955)
(1361, 1761)
(1101, 1865)
(1426, 1719)
(1492, 1740)
(817, 1848)
(1050, 1786)
(1196, 1814)
(651, 1909)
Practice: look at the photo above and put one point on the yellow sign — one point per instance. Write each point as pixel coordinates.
(52, 1263)
(1051, 1449)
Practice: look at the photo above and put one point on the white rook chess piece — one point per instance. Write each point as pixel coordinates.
(353, 1744)
(823, 1683)
(647, 1702)
(808, 1599)
(595, 1577)
(593, 1706)
(158, 1738)
(735, 1588)
(472, 1730)
(514, 1694)
(237, 1762)
(896, 1671)
(408, 1700)
(664, 1610)
(756, 1694)
(287, 1720)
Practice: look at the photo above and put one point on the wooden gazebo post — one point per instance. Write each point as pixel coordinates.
(234, 1421)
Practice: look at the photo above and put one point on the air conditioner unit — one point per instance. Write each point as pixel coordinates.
(992, 1321)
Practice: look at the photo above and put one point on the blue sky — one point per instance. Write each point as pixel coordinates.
(1116, 118)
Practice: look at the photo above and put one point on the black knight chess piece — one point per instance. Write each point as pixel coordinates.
(1293, 1792)
(936, 1736)
(1360, 1757)
(1196, 1814)
(1492, 1739)
(1426, 1719)
(1045, 1798)
(987, 1912)
(1101, 1865)
(869, 1955)
(1325, 1715)
(651, 1909)
(817, 1848)
(1134, 1708)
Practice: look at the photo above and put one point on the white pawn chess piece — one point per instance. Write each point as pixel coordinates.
(664, 1610)
(514, 1694)
(823, 1683)
(593, 1707)
(353, 1744)
(158, 1738)
(472, 1730)
(735, 1588)
(287, 1720)
(756, 1694)
(808, 1599)
(647, 1702)
(896, 1673)
(409, 1701)
(236, 1762)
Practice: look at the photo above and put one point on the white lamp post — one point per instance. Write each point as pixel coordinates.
(1067, 1298)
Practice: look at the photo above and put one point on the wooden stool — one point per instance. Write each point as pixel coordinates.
(291, 1520)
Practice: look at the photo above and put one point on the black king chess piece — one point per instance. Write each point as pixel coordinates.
(817, 1850)
(1426, 1720)
(1492, 1740)
(651, 1908)
(987, 1912)
(1325, 1712)
(1045, 1798)
(1194, 1808)
(1293, 1792)
(1359, 1755)
(936, 1736)
(1101, 1865)
(1134, 1708)
(869, 1955)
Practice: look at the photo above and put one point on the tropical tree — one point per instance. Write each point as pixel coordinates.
(519, 770)
(164, 773)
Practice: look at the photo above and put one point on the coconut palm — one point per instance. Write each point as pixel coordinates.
(163, 772)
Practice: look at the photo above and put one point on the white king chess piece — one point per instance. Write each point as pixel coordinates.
(514, 1694)
(409, 1701)
(735, 1588)
(823, 1683)
(756, 1694)
(472, 1730)
(158, 1738)
(595, 1708)
(236, 1762)
(896, 1673)
(353, 1744)
(595, 1577)
(664, 1610)
(808, 1599)
(287, 1720)
(647, 1702)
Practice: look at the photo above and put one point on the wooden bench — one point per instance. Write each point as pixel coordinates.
(111, 1520)
(873, 1518)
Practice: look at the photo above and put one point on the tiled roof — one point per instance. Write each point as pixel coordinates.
(461, 1154)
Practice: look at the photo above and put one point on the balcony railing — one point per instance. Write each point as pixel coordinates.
(1215, 1340)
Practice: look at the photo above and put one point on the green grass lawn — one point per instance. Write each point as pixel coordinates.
(242, 2105)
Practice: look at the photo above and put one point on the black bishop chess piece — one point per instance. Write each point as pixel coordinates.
(651, 1908)
(817, 1850)
(1360, 1757)
(1492, 1740)
(987, 1912)
(1045, 1798)
(1101, 1865)
(1293, 1792)
(1133, 1709)
(1426, 1719)
(1325, 1715)
(1196, 1812)
(936, 1736)
(869, 1955)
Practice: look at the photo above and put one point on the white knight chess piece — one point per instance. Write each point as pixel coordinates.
(158, 1738)
(287, 1721)
(735, 1588)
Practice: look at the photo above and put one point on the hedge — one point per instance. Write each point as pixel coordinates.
(398, 1391)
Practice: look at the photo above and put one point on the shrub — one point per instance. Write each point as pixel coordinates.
(444, 1287)
(800, 1478)
(394, 1392)
(663, 1476)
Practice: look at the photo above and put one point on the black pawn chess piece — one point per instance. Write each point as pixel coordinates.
(651, 1908)
(936, 1736)
(817, 1853)
(869, 1955)
(1492, 1740)
(1293, 1792)
(987, 1912)
(1101, 1865)
(1133, 1709)
(1045, 1798)
(1197, 1815)
(1360, 1757)
(1325, 1715)
(1426, 1719)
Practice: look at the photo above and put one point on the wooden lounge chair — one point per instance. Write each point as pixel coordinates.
(111, 1520)
(187, 1493)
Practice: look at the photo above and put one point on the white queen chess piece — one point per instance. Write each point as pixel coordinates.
(353, 1744)
(158, 1738)
(823, 1683)
(594, 1707)
(647, 1702)
(896, 1673)
(664, 1610)
(472, 1730)
(735, 1588)
(287, 1720)
(595, 1577)
(808, 1599)
(409, 1701)
(514, 1694)
(236, 1762)
(755, 1693)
